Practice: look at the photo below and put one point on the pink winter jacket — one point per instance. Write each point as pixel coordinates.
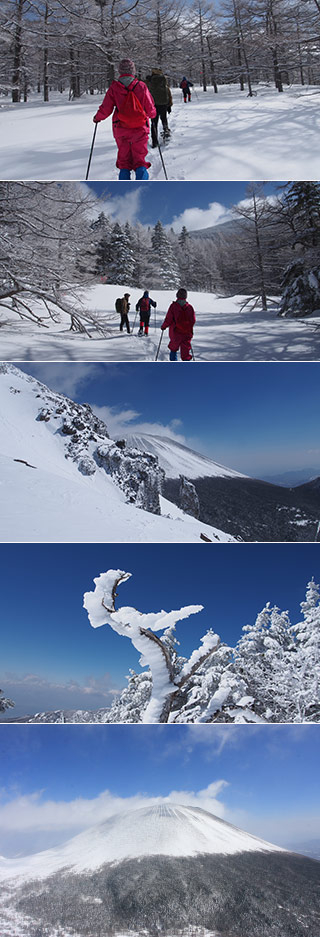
(115, 98)
(189, 319)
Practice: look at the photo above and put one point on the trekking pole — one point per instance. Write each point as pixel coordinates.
(193, 358)
(158, 349)
(161, 157)
(91, 151)
(134, 322)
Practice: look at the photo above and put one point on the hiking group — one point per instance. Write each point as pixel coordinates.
(180, 320)
(133, 103)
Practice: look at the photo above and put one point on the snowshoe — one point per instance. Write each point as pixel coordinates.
(165, 136)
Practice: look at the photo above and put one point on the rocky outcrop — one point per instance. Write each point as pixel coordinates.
(188, 498)
(138, 474)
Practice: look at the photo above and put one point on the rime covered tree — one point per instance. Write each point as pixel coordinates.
(5, 703)
(271, 676)
(156, 652)
(307, 658)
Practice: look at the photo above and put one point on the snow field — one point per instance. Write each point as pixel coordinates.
(226, 136)
(222, 332)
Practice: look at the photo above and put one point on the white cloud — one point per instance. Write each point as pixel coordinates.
(29, 822)
(119, 208)
(197, 218)
(33, 693)
(123, 422)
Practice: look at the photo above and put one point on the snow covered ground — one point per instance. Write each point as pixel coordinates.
(226, 136)
(49, 500)
(222, 332)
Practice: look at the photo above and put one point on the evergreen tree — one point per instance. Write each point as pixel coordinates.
(123, 262)
(307, 662)
(301, 205)
(301, 280)
(168, 275)
(5, 703)
(102, 230)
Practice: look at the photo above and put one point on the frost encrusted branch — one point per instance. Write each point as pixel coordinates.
(140, 628)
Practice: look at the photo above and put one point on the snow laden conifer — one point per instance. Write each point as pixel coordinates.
(5, 703)
(301, 280)
(123, 261)
(102, 233)
(307, 658)
(167, 676)
(167, 274)
(261, 660)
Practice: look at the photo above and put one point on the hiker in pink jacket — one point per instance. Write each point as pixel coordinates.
(180, 318)
(130, 122)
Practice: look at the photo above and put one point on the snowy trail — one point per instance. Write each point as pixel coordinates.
(222, 333)
(225, 136)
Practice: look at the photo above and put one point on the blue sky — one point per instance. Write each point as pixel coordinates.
(259, 418)
(51, 658)
(197, 205)
(57, 780)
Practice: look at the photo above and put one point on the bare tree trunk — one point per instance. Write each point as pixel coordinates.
(259, 254)
(212, 68)
(45, 56)
(159, 39)
(239, 56)
(17, 56)
(203, 64)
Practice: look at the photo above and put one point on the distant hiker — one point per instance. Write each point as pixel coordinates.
(186, 86)
(144, 306)
(132, 105)
(159, 88)
(180, 318)
(122, 307)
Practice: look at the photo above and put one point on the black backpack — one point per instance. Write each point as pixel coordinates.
(118, 305)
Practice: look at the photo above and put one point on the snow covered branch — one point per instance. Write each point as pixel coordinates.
(140, 628)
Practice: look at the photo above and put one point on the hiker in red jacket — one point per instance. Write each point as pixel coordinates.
(180, 318)
(132, 105)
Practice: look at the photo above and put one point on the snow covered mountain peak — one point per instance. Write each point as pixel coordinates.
(159, 830)
(176, 459)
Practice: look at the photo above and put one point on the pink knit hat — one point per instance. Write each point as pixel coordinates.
(127, 67)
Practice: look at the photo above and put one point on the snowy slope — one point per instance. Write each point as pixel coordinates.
(49, 499)
(222, 332)
(163, 830)
(176, 459)
(225, 136)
